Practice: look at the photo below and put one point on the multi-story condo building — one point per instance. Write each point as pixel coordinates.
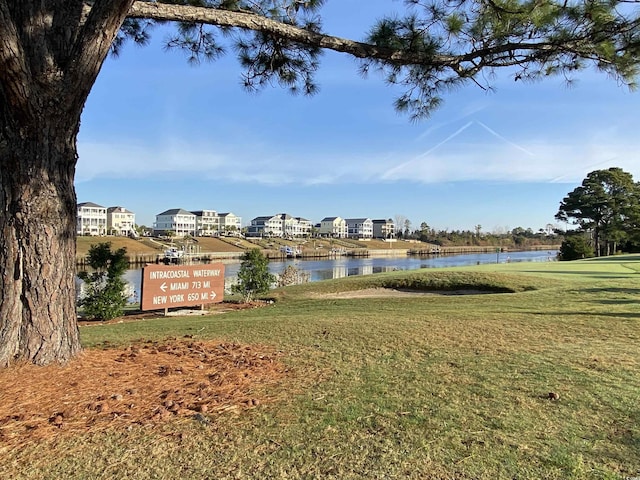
(281, 225)
(206, 222)
(334, 227)
(175, 220)
(383, 229)
(92, 219)
(295, 226)
(120, 221)
(360, 228)
(210, 222)
(229, 222)
(265, 227)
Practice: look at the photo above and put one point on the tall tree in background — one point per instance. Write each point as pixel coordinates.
(607, 204)
(399, 221)
(51, 52)
(407, 228)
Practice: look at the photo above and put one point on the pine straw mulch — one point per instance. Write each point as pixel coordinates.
(143, 384)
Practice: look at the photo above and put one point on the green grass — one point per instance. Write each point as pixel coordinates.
(415, 387)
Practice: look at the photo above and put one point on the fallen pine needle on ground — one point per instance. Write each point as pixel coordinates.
(145, 383)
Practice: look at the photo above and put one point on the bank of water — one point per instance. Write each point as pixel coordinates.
(327, 269)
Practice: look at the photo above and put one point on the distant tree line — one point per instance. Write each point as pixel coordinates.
(606, 210)
(516, 238)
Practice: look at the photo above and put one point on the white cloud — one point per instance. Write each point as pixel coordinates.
(473, 152)
(488, 155)
(112, 160)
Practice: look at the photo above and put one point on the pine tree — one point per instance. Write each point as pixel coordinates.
(51, 52)
(607, 203)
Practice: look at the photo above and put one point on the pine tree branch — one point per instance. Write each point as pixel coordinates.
(493, 55)
(249, 21)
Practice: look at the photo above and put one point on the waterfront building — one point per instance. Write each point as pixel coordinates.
(176, 220)
(383, 229)
(334, 227)
(359, 228)
(120, 221)
(92, 219)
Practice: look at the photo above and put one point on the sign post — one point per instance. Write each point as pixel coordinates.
(165, 287)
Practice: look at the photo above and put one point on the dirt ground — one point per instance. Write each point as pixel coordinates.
(143, 384)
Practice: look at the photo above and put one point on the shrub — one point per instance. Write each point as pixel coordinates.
(575, 247)
(292, 276)
(254, 277)
(105, 296)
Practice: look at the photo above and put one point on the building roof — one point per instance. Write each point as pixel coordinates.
(175, 211)
(200, 213)
(89, 204)
(357, 220)
(330, 219)
(119, 209)
(262, 219)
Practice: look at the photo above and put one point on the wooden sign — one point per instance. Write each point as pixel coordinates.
(165, 287)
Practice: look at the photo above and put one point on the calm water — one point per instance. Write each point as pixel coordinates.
(327, 269)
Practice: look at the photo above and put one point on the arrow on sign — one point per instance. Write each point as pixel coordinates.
(163, 287)
(213, 295)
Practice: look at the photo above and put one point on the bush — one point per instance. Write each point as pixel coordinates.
(575, 247)
(105, 296)
(292, 276)
(254, 277)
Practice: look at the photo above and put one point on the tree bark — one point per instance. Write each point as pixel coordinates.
(37, 245)
(50, 55)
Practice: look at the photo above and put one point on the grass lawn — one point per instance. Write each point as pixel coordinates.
(432, 386)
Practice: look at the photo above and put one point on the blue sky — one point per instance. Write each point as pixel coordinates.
(157, 133)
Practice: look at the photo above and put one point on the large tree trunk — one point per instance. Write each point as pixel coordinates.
(50, 54)
(37, 242)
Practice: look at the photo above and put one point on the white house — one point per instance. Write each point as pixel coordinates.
(229, 222)
(281, 225)
(334, 227)
(206, 222)
(265, 227)
(92, 219)
(295, 226)
(360, 228)
(175, 220)
(210, 222)
(120, 221)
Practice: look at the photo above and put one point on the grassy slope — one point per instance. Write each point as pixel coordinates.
(151, 247)
(83, 244)
(420, 387)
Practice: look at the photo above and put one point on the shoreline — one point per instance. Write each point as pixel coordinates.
(139, 259)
